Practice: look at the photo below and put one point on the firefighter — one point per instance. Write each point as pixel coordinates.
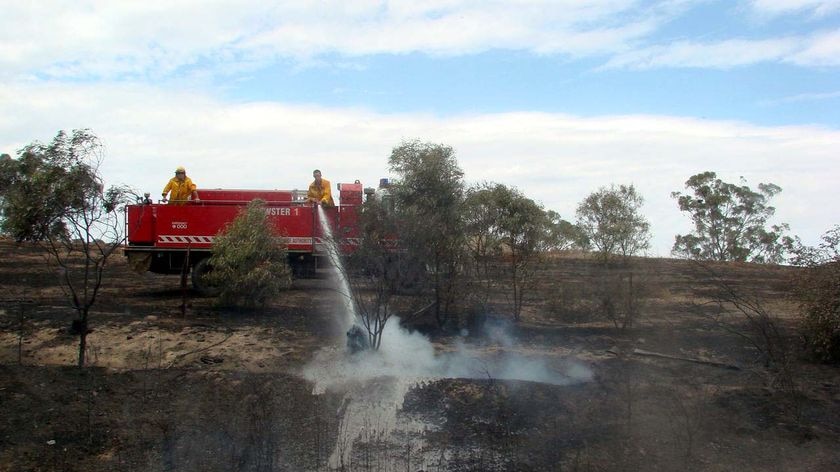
(319, 190)
(180, 188)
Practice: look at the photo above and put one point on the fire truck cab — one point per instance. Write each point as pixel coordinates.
(174, 239)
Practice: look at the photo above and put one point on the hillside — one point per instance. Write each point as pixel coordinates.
(196, 388)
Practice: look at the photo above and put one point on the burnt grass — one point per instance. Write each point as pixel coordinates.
(184, 399)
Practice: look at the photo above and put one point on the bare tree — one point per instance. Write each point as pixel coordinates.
(744, 315)
(376, 274)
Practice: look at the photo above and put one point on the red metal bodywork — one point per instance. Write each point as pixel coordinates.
(169, 231)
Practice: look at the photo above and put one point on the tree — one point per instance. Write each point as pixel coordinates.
(610, 220)
(44, 183)
(562, 235)
(9, 169)
(53, 195)
(522, 230)
(428, 195)
(481, 214)
(249, 264)
(482, 242)
(730, 222)
(502, 222)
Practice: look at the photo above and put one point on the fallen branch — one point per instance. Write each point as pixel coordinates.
(643, 353)
(419, 312)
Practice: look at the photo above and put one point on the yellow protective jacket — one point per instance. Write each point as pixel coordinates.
(181, 190)
(321, 193)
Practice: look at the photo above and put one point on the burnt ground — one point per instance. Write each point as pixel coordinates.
(207, 389)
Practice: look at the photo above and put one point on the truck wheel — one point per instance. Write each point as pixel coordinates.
(199, 278)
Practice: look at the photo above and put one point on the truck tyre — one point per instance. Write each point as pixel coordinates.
(199, 278)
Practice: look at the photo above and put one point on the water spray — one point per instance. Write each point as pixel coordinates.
(357, 338)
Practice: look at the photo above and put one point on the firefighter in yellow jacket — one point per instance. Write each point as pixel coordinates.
(319, 190)
(180, 188)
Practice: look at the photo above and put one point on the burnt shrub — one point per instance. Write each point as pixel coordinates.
(818, 290)
(820, 310)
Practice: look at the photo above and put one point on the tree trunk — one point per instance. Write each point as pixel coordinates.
(82, 338)
(514, 277)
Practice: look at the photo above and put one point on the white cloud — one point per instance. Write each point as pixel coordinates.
(154, 39)
(555, 159)
(777, 7)
(452, 28)
(820, 49)
(105, 38)
(109, 39)
(804, 97)
(723, 54)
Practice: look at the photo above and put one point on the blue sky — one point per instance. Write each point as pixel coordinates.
(557, 98)
(499, 81)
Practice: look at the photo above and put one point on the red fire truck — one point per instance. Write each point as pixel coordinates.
(173, 239)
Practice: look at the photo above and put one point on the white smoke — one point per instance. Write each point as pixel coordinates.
(411, 356)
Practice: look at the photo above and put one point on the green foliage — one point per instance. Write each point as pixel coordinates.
(730, 222)
(561, 234)
(481, 215)
(49, 184)
(610, 220)
(485, 218)
(248, 263)
(819, 294)
(521, 223)
(498, 217)
(7, 172)
(429, 179)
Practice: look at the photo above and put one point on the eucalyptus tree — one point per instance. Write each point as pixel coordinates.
(730, 221)
(53, 194)
(504, 223)
(428, 193)
(611, 220)
(561, 234)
